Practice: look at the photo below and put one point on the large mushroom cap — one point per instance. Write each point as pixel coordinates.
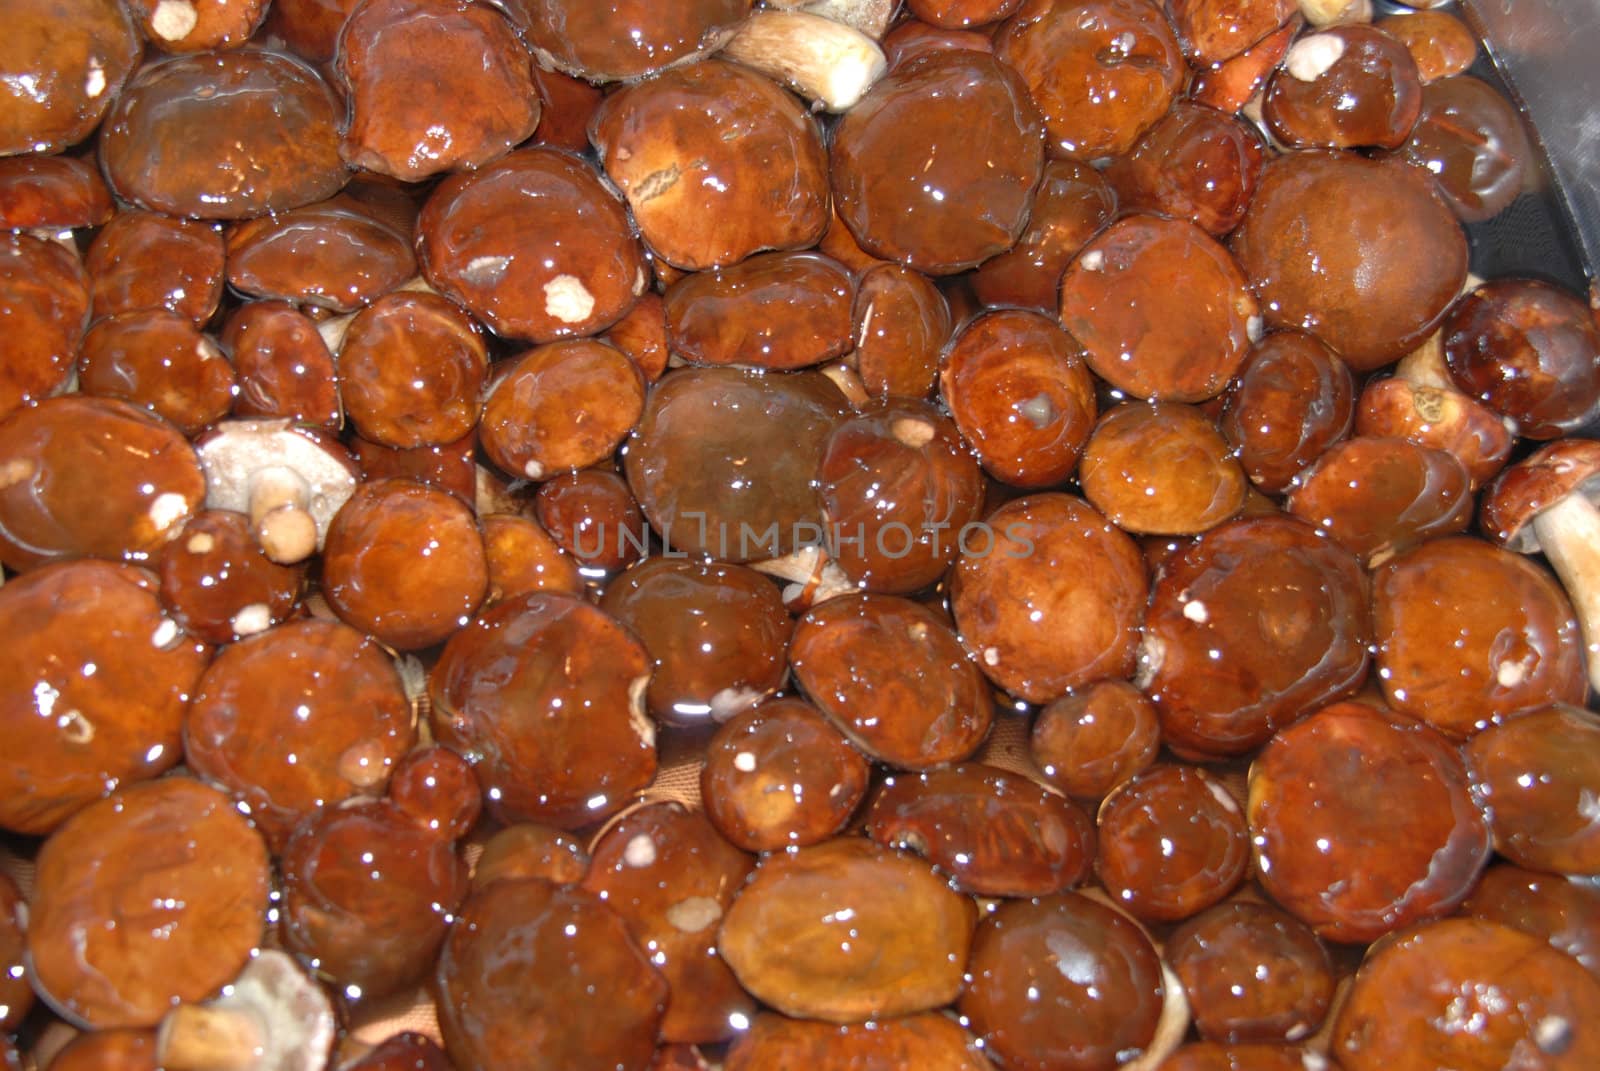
(1523, 491)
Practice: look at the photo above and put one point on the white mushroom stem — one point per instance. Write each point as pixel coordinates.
(1569, 533)
(333, 330)
(1321, 13)
(849, 383)
(279, 515)
(1425, 367)
(830, 64)
(812, 574)
(871, 17)
(272, 1018)
(202, 1037)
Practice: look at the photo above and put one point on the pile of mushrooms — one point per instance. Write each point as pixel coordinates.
(747, 534)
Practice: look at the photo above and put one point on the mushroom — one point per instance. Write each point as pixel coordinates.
(1322, 13)
(272, 1018)
(290, 480)
(829, 63)
(1547, 504)
(871, 17)
(1420, 403)
(812, 576)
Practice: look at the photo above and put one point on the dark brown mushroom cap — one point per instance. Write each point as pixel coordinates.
(92, 477)
(715, 141)
(929, 1042)
(434, 86)
(937, 165)
(623, 39)
(535, 245)
(224, 135)
(1365, 255)
(532, 967)
(544, 695)
(1550, 474)
(1471, 994)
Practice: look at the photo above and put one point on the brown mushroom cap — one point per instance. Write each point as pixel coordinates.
(623, 39)
(224, 135)
(1469, 994)
(1550, 474)
(96, 679)
(155, 894)
(846, 931)
(92, 477)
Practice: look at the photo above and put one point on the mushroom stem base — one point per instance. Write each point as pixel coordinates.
(1569, 532)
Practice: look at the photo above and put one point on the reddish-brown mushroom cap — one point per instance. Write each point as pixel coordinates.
(105, 955)
(1469, 994)
(1547, 504)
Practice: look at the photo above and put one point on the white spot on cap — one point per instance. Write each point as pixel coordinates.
(568, 300)
(1553, 1034)
(485, 271)
(165, 632)
(694, 914)
(640, 851)
(1093, 260)
(200, 543)
(991, 656)
(75, 727)
(1196, 611)
(167, 509)
(733, 700)
(251, 619)
(173, 20)
(745, 762)
(1311, 57)
(1038, 410)
(15, 471)
(912, 432)
(533, 470)
(94, 83)
(1510, 674)
(1223, 796)
(1252, 328)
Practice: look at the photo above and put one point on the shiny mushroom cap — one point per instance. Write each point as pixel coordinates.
(1523, 491)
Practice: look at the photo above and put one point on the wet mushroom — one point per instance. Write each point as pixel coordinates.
(290, 480)
(827, 62)
(1420, 403)
(1546, 504)
(272, 1018)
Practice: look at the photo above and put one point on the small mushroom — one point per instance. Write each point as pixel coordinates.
(1547, 504)
(290, 480)
(1420, 403)
(829, 63)
(272, 1018)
